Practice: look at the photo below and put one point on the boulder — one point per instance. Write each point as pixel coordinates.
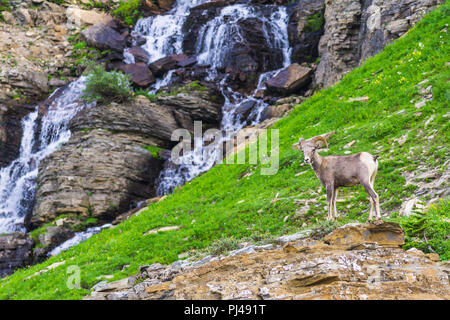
(386, 234)
(16, 251)
(139, 54)
(82, 18)
(173, 61)
(102, 37)
(290, 79)
(139, 72)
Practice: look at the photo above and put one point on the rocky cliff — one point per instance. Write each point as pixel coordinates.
(105, 168)
(354, 262)
(356, 30)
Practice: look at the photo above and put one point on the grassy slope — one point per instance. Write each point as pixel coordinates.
(210, 207)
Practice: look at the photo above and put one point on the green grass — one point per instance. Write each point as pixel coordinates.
(235, 201)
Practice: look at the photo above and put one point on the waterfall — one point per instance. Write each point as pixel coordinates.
(18, 180)
(164, 36)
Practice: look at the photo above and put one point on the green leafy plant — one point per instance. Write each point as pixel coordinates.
(103, 86)
(129, 11)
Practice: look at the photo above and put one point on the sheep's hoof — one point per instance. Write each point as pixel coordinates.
(378, 221)
(369, 220)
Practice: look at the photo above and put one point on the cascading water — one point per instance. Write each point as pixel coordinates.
(164, 36)
(215, 42)
(18, 180)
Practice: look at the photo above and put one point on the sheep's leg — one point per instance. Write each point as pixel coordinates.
(334, 203)
(369, 189)
(371, 209)
(330, 191)
(377, 199)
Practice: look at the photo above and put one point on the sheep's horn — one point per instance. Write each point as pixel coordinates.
(320, 138)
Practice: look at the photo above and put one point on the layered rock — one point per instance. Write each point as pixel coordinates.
(96, 174)
(104, 169)
(15, 252)
(355, 30)
(362, 268)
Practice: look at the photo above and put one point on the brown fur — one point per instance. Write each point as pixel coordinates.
(341, 171)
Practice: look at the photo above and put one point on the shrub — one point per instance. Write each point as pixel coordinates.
(128, 11)
(103, 86)
(429, 231)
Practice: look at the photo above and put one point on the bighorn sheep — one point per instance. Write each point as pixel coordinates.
(341, 171)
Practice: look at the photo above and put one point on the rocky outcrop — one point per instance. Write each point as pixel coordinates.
(11, 131)
(104, 169)
(290, 79)
(15, 252)
(355, 30)
(298, 268)
(98, 174)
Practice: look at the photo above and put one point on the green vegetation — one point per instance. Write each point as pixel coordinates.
(188, 88)
(237, 202)
(153, 150)
(103, 86)
(315, 22)
(129, 11)
(429, 231)
(4, 6)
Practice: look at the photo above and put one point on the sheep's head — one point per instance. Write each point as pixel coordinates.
(310, 146)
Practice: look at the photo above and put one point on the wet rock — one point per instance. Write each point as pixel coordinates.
(139, 54)
(139, 72)
(173, 61)
(16, 251)
(102, 37)
(11, 131)
(290, 79)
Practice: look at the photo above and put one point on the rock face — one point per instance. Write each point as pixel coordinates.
(305, 28)
(10, 132)
(97, 174)
(355, 30)
(290, 79)
(104, 169)
(302, 269)
(15, 252)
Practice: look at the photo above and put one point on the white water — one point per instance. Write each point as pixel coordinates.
(164, 36)
(79, 237)
(18, 180)
(215, 41)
